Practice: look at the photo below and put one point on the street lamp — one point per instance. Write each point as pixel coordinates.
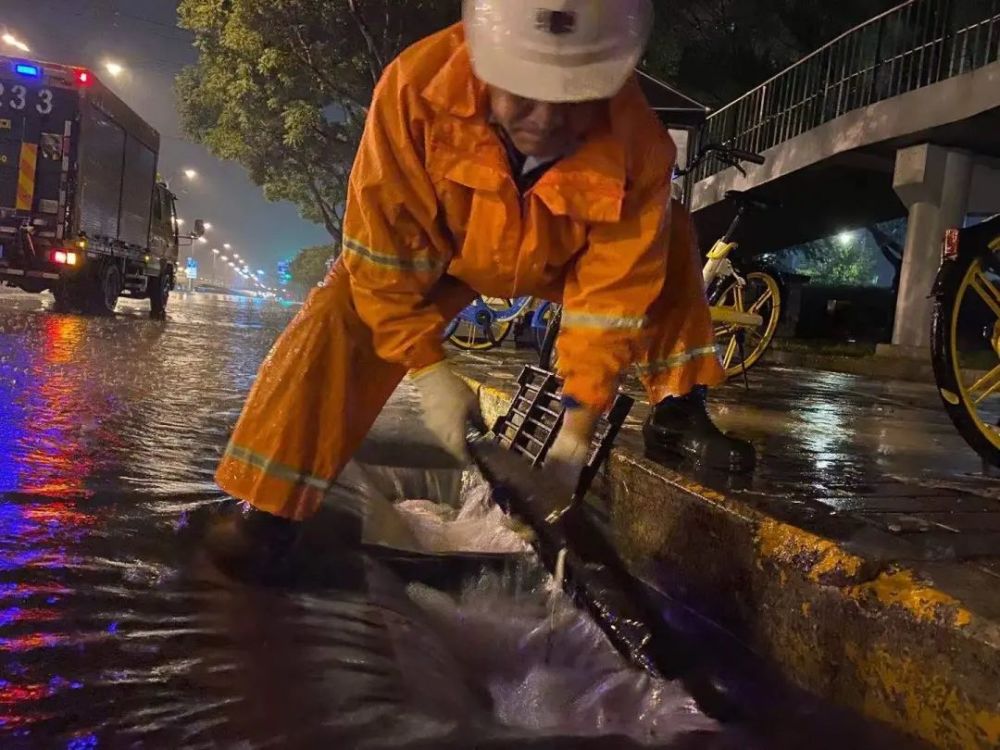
(208, 226)
(191, 174)
(228, 246)
(114, 69)
(12, 41)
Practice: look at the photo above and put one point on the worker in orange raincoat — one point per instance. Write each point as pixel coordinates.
(512, 154)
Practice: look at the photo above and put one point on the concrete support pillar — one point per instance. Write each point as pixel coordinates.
(934, 183)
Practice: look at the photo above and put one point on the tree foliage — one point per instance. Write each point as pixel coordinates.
(840, 262)
(282, 86)
(717, 50)
(308, 268)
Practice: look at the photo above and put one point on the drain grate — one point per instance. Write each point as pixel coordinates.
(531, 424)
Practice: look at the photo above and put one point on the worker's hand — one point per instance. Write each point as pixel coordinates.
(449, 405)
(569, 455)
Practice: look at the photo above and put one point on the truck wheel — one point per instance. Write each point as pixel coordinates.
(70, 295)
(159, 294)
(105, 288)
(65, 299)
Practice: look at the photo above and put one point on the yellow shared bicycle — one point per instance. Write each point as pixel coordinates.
(965, 339)
(745, 298)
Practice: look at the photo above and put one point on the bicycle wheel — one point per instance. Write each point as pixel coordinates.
(743, 346)
(965, 346)
(484, 325)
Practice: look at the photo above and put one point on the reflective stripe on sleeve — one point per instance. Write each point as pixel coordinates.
(355, 249)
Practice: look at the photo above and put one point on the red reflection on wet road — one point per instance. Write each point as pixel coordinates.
(57, 464)
(24, 693)
(31, 642)
(61, 513)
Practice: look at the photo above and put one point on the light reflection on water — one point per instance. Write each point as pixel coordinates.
(114, 630)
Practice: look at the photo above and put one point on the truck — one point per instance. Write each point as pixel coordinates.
(83, 213)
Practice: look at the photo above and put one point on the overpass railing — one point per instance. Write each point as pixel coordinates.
(911, 46)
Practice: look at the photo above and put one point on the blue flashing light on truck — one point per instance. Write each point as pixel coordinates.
(82, 212)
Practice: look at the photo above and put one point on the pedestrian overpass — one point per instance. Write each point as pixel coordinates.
(897, 117)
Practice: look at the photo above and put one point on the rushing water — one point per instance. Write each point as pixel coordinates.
(115, 631)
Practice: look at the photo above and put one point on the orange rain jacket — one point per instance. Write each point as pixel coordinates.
(432, 193)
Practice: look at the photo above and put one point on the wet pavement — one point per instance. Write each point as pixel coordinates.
(846, 456)
(861, 557)
(116, 632)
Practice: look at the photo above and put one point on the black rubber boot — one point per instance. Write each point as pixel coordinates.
(252, 544)
(682, 427)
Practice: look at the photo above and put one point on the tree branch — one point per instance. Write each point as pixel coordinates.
(375, 63)
(330, 220)
(302, 52)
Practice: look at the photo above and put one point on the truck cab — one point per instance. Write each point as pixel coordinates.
(164, 236)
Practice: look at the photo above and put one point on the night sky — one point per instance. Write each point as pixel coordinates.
(142, 35)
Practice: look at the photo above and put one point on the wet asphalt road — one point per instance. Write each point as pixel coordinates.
(116, 632)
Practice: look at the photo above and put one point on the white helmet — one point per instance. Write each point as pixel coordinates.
(557, 50)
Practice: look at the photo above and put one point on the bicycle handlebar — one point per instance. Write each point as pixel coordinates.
(749, 156)
(731, 156)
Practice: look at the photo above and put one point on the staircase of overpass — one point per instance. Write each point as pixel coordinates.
(899, 116)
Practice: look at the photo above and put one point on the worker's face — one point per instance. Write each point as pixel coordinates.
(543, 129)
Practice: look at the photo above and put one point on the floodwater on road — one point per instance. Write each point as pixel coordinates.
(116, 632)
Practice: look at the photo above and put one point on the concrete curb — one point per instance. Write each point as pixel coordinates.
(874, 638)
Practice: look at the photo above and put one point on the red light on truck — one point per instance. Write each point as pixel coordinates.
(950, 251)
(84, 77)
(63, 258)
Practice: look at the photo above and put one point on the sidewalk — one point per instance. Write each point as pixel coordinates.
(863, 557)
(856, 359)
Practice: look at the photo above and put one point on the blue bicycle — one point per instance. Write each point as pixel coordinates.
(488, 321)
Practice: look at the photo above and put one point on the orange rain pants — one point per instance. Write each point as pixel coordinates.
(323, 385)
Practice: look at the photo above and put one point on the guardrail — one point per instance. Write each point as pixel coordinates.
(911, 46)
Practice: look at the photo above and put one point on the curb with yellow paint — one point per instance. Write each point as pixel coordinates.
(874, 638)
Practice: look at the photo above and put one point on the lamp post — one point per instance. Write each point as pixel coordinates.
(189, 174)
